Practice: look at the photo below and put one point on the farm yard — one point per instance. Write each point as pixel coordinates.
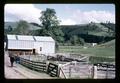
(66, 41)
(69, 62)
(65, 70)
(73, 62)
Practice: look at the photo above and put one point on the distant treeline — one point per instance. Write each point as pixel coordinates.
(94, 38)
(79, 34)
(92, 32)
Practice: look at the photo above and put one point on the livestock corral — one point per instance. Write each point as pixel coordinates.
(68, 66)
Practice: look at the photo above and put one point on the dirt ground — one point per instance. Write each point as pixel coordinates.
(20, 72)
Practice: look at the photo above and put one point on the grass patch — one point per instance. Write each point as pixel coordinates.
(100, 53)
(97, 51)
(94, 59)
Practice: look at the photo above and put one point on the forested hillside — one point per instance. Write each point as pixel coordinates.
(92, 32)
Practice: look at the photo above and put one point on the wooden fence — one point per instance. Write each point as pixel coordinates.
(105, 71)
(85, 70)
(71, 69)
(75, 70)
(46, 67)
(38, 66)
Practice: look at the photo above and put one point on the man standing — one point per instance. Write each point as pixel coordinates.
(12, 58)
(17, 58)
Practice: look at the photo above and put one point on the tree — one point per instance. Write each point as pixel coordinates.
(74, 40)
(50, 25)
(81, 40)
(9, 28)
(22, 28)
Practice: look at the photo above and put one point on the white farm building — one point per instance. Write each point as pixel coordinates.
(25, 44)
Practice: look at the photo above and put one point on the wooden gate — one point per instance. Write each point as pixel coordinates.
(76, 70)
(52, 70)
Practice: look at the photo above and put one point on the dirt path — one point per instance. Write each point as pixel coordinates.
(21, 72)
(10, 73)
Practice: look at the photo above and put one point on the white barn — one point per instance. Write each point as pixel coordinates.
(30, 44)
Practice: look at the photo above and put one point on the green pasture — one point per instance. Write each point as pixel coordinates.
(103, 52)
(95, 51)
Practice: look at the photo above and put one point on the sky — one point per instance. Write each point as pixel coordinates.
(69, 14)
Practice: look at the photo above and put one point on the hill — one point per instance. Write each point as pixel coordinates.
(91, 28)
(110, 44)
(32, 26)
(92, 32)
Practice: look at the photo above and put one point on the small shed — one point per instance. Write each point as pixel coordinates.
(94, 44)
(25, 44)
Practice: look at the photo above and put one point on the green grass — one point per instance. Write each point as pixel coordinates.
(99, 33)
(103, 52)
(97, 51)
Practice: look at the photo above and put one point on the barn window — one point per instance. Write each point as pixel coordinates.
(40, 48)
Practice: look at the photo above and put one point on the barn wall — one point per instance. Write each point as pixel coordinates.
(15, 44)
(37, 46)
(47, 47)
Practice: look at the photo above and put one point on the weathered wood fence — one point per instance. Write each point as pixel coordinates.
(105, 71)
(75, 70)
(34, 65)
(71, 69)
(46, 67)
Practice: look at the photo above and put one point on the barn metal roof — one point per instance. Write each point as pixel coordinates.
(43, 38)
(24, 37)
(11, 37)
(31, 38)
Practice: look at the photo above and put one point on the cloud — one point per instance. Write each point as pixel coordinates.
(16, 12)
(67, 22)
(95, 16)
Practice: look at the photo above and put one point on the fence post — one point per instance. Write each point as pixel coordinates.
(69, 71)
(47, 64)
(94, 72)
(20, 60)
(59, 73)
(107, 72)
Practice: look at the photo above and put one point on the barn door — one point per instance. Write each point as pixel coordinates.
(33, 51)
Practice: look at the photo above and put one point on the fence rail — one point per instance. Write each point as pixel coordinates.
(71, 69)
(105, 70)
(38, 66)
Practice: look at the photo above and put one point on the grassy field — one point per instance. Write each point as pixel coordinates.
(104, 52)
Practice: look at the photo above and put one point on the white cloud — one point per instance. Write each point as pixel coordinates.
(95, 16)
(83, 17)
(67, 22)
(16, 12)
